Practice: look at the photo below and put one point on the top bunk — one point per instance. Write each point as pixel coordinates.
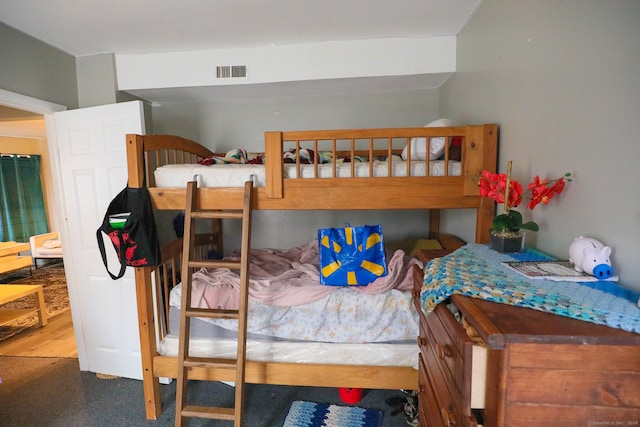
(390, 168)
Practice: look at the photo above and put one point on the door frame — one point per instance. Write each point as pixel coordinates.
(56, 214)
(38, 106)
(27, 103)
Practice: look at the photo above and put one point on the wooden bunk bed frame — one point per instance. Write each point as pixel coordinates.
(145, 153)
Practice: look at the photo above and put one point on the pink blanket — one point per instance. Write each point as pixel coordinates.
(287, 278)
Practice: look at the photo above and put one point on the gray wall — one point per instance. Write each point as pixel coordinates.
(562, 78)
(97, 83)
(32, 68)
(230, 124)
(226, 125)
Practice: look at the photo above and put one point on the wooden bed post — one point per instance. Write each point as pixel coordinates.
(480, 152)
(484, 219)
(135, 161)
(144, 295)
(434, 223)
(147, 327)
(273, 153)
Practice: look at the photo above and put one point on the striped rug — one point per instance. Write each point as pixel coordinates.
(310, 414)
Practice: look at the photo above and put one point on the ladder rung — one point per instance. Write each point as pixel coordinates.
(217, 214)
(212, 313)
(210, 362)
(209, 412)
(210, 263)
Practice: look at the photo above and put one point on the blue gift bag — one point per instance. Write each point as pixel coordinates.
(351, 255)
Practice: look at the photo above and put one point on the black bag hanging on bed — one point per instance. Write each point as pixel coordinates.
(130, 225)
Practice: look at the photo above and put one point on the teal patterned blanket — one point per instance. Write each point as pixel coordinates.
(476, 271)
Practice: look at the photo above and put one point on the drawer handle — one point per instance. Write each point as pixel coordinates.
(443, 351)
(422, 341)
(447, 417)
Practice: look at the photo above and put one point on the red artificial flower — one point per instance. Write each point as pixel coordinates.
(515, 193)
(493, 185)
(542, 193)
(558, 186)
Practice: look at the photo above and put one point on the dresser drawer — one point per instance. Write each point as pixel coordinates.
(429, 410)
(453, 349)
(443, 405)
(423, 341)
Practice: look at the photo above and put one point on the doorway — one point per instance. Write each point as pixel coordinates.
(23, 131)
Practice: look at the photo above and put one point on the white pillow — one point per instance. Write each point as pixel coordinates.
(419, 145)
(51, 244)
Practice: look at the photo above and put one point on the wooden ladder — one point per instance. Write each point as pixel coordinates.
(189, 264)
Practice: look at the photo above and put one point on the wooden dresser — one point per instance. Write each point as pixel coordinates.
(535, 369)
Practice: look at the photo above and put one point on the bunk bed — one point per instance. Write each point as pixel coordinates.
(430, 168)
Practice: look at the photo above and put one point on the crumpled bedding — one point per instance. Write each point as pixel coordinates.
(287, 278)
(304, 156)
(287, 300)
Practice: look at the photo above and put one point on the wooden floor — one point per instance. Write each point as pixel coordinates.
(56, 339)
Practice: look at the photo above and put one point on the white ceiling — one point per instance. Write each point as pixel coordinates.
(89, 27)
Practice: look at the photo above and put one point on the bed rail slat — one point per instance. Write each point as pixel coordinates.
(447, 145)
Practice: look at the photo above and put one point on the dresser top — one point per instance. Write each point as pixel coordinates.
(498, 324)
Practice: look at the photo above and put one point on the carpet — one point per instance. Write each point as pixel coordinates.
(56, 297)
(310, 414)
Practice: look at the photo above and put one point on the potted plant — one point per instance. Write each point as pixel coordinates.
(506, 234)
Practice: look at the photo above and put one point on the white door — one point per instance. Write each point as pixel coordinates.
(88, 151)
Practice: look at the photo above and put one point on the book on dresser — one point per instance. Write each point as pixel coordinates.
(552, 270)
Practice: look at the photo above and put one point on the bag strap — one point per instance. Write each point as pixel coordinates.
(103, 253)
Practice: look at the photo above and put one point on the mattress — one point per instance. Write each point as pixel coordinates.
(234, 175)
(210, 340)
(333, 329)
(344, 316)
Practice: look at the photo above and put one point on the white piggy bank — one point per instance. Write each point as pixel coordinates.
(591, 256)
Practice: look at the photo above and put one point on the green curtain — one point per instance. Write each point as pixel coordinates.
(22, 210)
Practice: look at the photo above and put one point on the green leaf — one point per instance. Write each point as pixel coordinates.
(500, 223)
(512, 221)
(531, 226)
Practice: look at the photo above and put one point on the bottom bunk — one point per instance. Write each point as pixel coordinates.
(389, 363)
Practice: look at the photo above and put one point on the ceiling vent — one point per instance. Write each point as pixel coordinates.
(231, 71)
